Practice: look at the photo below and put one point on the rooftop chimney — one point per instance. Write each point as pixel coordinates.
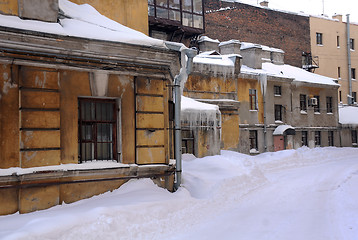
(264, 3)
(338, 17)
(39, 10)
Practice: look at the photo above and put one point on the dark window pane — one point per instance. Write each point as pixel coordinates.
(162, 13)
(151, 11)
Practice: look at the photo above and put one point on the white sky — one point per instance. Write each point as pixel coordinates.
(315, 6)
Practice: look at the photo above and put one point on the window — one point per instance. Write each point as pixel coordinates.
(319, 38)
(351, 43)
(354, 97)
(329, 104)
(277, 90)
(97, 120)
(187, 141)
(253, 139)
(340, 96)
(354, 137)
(338, 42)
(330, 138)
(303, 102)
(339, 72)
(304, 138)
(278, 112)
(187, 12)
(353, 70)
(317, 138)
(253, 99)
(316, 107)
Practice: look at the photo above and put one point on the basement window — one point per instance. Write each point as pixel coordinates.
(317, 138)
(253, 140)
(97, 129)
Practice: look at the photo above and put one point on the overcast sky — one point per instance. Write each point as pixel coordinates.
(315, 7)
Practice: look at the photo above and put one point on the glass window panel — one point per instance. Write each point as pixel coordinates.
(87, 132)
(174, 15)
(186, 5)
(104, 132)
(162, 3)
(104, 151)
(162, 13)
(151, 11)
(87, 111)
(198, 22)
(87, 151)
(174, 4)
(150, 1)
(198, 6)
(188, 19)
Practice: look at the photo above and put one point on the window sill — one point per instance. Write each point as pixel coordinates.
(278, 121)
(317, 113)
(253, 110)
(329, 113)
(254, 151)
(320, 45)
(303, 112)
(277, 95)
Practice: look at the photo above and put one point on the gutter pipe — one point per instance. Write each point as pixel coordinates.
(350, 99)
(263, 83)
(187, 55)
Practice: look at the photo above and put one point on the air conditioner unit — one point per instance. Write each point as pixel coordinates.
(313, 101)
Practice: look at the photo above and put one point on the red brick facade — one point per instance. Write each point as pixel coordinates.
(289, 32)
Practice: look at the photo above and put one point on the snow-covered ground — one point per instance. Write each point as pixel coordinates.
(292, 194)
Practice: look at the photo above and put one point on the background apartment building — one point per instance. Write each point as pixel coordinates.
(329, 46)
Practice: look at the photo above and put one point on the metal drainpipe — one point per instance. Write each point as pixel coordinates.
(182, 76)
(350, 99)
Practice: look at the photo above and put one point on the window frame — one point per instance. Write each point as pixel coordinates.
(351, 44)
(253, 99)
(317, 108)
(317, 138)
(331, 138)
(319, 39)
(353, 73)
(253, 139)
(114, 123)
(277, 90)
(354, 97)
(329, 104)
(354, 137)
(278, 112)
(303, 102)
(339, 72)
(304, 138)
(181, 11)
(338, 43)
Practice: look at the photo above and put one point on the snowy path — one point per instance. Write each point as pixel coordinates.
(301, 203)
(296, 194)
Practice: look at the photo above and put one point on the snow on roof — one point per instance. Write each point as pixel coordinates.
(288, 71)
(348, 115)
(188, 104)
(281, 129)
(229, 42)
(222, 60)
(86, 22)
(246, 45)
(207, 39)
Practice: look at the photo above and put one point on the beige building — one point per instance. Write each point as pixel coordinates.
(329, 51)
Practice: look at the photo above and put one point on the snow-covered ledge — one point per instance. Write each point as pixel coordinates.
(94, 171)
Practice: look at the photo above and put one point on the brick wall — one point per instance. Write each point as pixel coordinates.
(289, 32)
